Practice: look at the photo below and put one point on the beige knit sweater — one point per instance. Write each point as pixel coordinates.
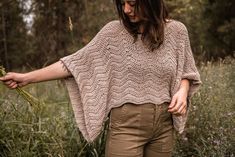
(112, 70)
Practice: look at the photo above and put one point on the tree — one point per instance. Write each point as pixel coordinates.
(211, 26)
(220, 17)
(51, 36)
(13, 39)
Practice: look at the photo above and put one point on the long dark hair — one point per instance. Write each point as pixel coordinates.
(153, 15)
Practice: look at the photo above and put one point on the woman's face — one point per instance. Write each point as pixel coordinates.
(128, 7)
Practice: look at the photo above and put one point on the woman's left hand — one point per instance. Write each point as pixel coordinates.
(178, 105)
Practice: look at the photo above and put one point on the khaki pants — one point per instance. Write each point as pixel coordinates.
(144, 130)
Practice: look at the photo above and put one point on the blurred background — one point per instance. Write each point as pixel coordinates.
(34, 34)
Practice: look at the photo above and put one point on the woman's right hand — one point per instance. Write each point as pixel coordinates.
(13, 80)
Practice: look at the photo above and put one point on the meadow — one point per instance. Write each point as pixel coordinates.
(49, 128)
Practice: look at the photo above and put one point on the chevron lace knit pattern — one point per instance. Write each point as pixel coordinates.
(112, 70)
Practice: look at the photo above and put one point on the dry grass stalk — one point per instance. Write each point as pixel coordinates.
(28, 97)
(70, 24)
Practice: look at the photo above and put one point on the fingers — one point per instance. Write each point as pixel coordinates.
(2, 78)
(177, 107)
(13, 85)
(9, 80)
(7, 77)
(181, 110)
(173, 102)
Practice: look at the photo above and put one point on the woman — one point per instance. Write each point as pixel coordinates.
(139, 71)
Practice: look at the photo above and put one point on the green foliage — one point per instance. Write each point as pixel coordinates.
(52, 37)
(211, 26)
(220, 19)
(210, 129)
(51, 130)
(28, 97)
(13, 38)
(210, 23)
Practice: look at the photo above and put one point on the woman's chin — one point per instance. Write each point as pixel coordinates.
(134, 20)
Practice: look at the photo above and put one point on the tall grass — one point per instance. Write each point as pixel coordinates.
(211, 126)
(51, 130)
(28, 97)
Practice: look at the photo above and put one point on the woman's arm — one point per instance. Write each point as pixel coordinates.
(178, 105)
(51, 72)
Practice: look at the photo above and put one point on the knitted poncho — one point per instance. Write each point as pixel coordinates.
(113, 69)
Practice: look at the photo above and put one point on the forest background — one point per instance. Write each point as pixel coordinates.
(48, 36)
(34, 34)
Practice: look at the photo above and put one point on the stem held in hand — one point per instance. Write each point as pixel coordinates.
(28, 97)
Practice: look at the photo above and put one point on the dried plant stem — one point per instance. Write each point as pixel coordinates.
(28, 97)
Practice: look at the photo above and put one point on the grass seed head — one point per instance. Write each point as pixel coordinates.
(28, 97)
(2, 71)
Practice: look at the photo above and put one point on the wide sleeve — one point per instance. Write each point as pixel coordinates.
(190, 70)
(88, 53)
(186, 69)
(85, 89)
